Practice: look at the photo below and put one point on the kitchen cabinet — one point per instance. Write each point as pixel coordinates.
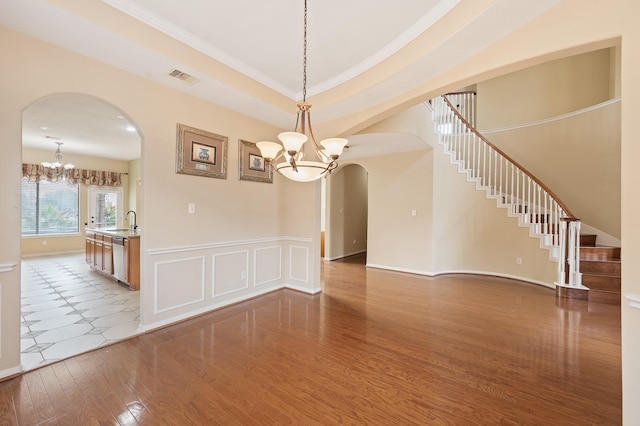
(90, 248)
(99, 255)
(132, 262)
(107, 255)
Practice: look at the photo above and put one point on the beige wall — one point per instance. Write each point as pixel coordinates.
(38, 69)
(470, 234)
(546, 90)
(135, 186)
(38, 245)
(456, 228)
(347, 212)
(399, 184)
(228, 211)
(630, 208)
(578, 156)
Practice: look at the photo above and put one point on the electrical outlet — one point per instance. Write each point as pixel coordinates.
(44, 242)
(191, 208)
(518, 261)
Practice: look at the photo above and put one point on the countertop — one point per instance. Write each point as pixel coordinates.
(118, 232)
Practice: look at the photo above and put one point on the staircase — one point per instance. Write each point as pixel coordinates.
(600, 267)
(514, 188)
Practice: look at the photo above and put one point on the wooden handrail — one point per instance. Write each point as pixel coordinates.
(562, 205)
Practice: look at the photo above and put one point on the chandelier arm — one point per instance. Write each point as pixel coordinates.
(316, 146)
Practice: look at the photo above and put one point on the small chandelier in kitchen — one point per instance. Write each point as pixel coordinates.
(288, 158)
(57, 162)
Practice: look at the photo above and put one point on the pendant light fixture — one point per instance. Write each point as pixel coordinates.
(288, 158)
(57, 162)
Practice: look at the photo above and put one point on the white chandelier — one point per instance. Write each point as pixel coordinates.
(57, 162)
(288, 158)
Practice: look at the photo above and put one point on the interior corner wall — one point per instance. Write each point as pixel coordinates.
(398, 185)
(347, 212)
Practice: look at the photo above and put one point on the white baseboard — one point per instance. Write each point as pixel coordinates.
(462, 271)
(345, 255)
(10, 372)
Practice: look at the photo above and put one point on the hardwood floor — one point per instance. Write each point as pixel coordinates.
(376, 347)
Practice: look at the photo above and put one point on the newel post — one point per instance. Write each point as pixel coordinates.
(570, 253)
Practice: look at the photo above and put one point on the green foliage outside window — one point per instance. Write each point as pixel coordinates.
(49, 208)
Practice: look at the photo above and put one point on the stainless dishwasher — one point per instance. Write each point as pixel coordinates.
(118, 258)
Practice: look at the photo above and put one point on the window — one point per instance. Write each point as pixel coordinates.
(49, 208)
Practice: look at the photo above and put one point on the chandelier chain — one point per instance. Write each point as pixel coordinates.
(304, 57)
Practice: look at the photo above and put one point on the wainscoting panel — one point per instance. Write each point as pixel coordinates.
(299, 263)
(230, 272)
(179, 283)
(267, 265)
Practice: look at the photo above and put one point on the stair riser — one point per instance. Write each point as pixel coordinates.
(587, 240)
(600, 253)
(599, 267)
(601, 282)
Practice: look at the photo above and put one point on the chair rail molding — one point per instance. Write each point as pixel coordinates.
(7, 267)
(634, 300)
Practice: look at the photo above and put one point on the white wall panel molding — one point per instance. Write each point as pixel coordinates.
(178, 283)
(267, 265)
(303, 289)
(633, 299)
(226, 244)
(556, 118)
(192, 280)
(229, 272)
(7, 267)
(208, 308)
(299, 263)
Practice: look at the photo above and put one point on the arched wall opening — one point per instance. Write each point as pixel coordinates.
(68, 307)
(346, 212)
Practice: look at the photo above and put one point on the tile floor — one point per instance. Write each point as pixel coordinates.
(68, 309)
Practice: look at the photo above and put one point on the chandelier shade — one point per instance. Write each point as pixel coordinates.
(286, 158)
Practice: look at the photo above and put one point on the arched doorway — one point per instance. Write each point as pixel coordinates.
(67, 308)
(346, 212)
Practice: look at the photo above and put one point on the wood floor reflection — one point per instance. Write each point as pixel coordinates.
(376, 347)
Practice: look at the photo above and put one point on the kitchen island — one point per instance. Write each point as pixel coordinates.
(115, 253)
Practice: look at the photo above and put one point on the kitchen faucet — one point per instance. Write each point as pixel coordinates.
(135, 225)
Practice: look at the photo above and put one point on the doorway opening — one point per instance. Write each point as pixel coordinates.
(68, 308)
(345, 206)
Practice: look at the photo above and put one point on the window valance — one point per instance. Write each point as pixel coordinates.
(37, 172)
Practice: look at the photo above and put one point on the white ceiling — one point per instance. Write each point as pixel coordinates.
(254, 53)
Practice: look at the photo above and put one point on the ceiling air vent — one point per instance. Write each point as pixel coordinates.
(181, 75)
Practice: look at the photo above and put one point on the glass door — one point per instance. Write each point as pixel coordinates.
(105, 207)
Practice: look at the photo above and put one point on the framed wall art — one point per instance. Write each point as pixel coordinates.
(201, 153)
(252, 164)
